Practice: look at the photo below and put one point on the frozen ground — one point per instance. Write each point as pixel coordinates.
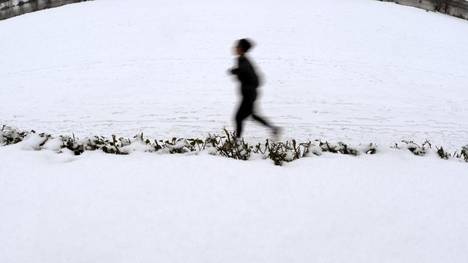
(357, 71)
(391, 207)
(352, 70)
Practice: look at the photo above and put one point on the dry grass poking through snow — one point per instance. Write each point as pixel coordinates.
(223, 145)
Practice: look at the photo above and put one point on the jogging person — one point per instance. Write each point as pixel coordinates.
(249, 83)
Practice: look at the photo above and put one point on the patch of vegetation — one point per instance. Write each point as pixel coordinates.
(226, 145)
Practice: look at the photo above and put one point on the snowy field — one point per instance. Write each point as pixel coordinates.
(354, 70)
(358, 71)
(150, 208)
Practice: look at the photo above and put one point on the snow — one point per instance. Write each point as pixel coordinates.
(54, 144)
(390, 207)
(32, 142)
(357, 71)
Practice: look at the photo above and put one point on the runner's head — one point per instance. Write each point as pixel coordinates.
(243, 46)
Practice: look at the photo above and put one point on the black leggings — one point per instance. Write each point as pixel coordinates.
(246, 109)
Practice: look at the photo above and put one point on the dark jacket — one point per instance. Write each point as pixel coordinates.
(246, 74)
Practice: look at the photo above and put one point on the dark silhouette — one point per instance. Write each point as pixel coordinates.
(249, 83)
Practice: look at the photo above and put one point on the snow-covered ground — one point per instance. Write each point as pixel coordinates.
(354, 70)
(390, 207)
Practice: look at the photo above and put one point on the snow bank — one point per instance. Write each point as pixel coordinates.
(160, 208)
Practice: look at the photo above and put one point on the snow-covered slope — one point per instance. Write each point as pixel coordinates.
(353, 70)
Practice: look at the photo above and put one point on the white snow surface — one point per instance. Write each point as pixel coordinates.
(353, 70)
(390, 207)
